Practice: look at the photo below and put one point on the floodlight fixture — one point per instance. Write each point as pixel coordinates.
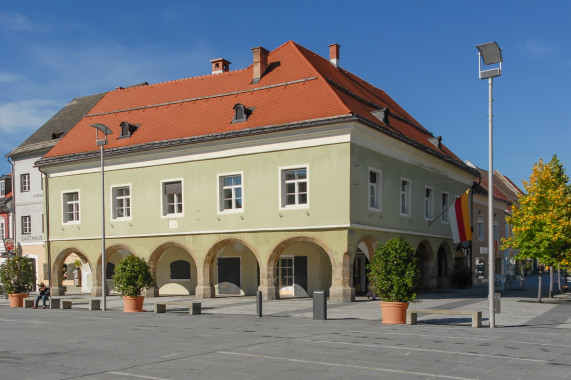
(491, 54)
(103, 129)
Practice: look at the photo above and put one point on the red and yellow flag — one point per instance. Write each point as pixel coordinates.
(460, 219)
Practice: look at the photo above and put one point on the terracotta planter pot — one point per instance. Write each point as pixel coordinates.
(17, 300)
(133, 304)
(394, 313)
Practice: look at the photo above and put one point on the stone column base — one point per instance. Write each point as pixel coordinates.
(151, 292)
(269, 293)
(57, 290)
(205, 291)
(96, 291)
(341, 294)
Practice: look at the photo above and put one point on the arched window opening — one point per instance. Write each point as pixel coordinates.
(180, 270)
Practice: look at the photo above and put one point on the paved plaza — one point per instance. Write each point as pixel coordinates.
(228, 341)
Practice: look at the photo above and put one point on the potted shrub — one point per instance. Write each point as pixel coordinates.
(17, 276)
(132, 276)
(394, 276)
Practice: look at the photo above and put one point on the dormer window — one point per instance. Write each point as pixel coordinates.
(241, 113)
(57, 135)
(127, 129)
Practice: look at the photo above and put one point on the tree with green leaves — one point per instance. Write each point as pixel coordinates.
(541, 223)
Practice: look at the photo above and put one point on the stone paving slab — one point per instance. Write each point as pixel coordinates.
(228, 341)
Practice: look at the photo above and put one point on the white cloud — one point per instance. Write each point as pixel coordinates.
(16, 22)
(9, 78)
(26, 116)
(537, 48)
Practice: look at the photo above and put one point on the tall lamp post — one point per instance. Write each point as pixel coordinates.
(490, 54)
(101, 143)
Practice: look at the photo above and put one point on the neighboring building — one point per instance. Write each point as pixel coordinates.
(6, 206)
(281, 177)
(480, 226)
(28, 181)
(513, 192)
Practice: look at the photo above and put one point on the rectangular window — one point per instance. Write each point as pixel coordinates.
(445, 215)
(2, 228)
(294, 187)
(405, 186)
(496, 231)
(121, 202)
(428, 203)
(24, 182)
(172, 198)
(286, 272)
(231, 192)
(374, 189)
(26, 225)
(71, 207)
(2, 189)
(480, 229)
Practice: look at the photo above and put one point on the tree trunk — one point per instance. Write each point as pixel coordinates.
(539, 285)
(551, 281)
(559, 278)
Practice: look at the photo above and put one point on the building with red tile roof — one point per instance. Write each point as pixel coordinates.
(282, 177)
(506, 194)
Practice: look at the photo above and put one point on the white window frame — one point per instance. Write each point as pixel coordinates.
(481, 229)
(429, 203)
(26, 224)
(282, 187)
(445, 217)
(64, 207)
(2, 228)
(220, 193)
(406, 195)
(2, 188)
(163, 199)
(114, 204)
(376, 188)
(25, 183)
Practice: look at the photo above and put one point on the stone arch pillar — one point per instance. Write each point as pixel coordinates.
(268, 279)
(341, 289)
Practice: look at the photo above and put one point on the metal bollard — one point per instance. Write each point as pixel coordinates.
(498, 303)
(259, 303)
(319, 305)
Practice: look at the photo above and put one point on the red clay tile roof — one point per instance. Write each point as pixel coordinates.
(298, 86)
(498, 193)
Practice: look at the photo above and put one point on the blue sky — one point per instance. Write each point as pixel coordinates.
(420, 52)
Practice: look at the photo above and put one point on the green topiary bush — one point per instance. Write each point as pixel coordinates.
(17, 275)
(394, 273)
(132, 276)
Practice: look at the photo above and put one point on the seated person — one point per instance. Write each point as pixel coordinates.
(44, 294)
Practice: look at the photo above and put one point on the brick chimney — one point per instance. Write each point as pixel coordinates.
(220, 65)
(334, 54)
(260, 63)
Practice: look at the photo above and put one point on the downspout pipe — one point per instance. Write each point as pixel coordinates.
(13, 213)
(47, 223)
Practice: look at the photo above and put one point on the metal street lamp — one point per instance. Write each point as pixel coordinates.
(491, 54)
(101, 143)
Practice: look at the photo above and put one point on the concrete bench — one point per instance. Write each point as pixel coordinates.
(55, 303)
(194, 308)
(94, 304)
(411, 315)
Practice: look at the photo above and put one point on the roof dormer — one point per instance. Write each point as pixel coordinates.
(241, 113)
(127, 129)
